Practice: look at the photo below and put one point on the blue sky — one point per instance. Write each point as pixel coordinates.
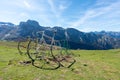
(84, 15)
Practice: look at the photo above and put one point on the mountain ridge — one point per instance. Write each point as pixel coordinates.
(77, 39)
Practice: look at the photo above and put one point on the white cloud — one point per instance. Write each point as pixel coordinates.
(57, 8)
(100, 12)
(83, 19)
(104, 2)
(24, 14)
(53, 8)
(62, 7)
(27, 4)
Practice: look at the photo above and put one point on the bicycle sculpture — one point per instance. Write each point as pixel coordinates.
(46, 52)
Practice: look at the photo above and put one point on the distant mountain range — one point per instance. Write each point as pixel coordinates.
(76, 38)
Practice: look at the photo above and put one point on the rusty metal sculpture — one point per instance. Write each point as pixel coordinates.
(46, 52)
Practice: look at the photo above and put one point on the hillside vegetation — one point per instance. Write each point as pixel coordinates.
(90, 65)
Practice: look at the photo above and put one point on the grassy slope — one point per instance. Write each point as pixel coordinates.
(90, 65)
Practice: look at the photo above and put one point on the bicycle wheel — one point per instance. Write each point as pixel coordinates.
(22, 47)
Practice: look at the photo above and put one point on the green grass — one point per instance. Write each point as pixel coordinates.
(90, 65)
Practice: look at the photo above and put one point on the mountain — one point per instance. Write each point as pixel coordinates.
(7, 30)
(27, 28)
(109, 33)
(76, 39)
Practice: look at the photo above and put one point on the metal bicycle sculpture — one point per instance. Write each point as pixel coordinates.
(46, 52)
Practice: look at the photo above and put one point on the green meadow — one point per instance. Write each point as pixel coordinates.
(90, 65)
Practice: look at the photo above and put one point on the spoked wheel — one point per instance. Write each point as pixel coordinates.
(22, 47)
(47, 63)
(31, 50)
(66, 58)
(41, 57)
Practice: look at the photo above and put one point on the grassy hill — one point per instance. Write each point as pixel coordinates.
(90, 65)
